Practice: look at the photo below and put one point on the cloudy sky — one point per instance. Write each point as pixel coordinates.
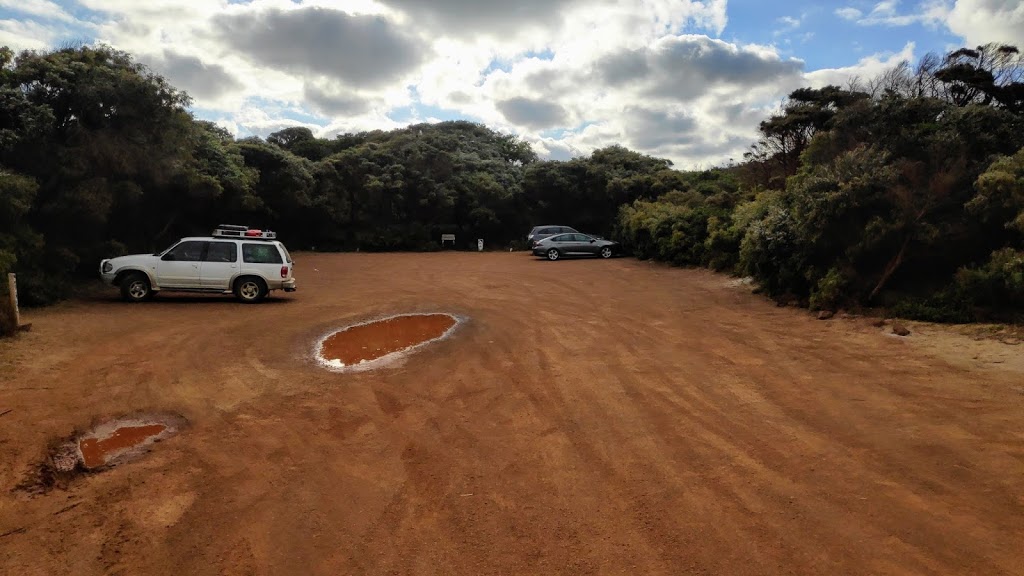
(686, 80)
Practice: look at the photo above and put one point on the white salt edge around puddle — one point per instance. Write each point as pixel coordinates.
(336, 365)
(107, 429)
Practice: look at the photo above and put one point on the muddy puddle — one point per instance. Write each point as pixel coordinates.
(372, 344)
(105, 445)
(117, 441)
(98, 452)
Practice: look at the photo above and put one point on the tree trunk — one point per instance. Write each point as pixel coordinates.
(891, 268)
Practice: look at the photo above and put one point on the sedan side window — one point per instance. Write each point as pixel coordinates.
(191, 251)
(562, 238)
(222, 252)
(261, 254)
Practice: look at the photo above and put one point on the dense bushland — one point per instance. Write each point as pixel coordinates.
(906, 191)
(99, 157)
(909, 194)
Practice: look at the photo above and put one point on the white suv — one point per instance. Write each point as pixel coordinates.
(235, 259)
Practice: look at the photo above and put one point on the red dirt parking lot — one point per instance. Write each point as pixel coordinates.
(588, 417)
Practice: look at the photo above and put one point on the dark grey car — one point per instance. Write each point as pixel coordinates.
(546, 231)
(562, 245)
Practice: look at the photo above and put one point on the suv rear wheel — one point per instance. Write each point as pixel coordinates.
(135, 288)
(250, 289)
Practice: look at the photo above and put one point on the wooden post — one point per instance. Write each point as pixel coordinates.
(12, 288)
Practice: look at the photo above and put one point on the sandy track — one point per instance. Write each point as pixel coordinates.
(591, 417)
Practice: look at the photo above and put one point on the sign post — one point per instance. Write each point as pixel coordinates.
(12, 289)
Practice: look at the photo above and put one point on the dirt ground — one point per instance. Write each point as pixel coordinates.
(590, 417)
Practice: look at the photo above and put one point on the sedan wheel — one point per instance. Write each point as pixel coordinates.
(553, 255)
(606, 252)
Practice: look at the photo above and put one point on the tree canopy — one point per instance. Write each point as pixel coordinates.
(906, 190)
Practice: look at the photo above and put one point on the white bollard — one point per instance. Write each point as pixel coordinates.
(480, 245)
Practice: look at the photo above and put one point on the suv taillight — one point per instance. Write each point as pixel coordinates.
(284, 271)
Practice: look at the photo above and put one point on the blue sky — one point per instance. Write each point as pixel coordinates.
(823, 39)
(687, 80)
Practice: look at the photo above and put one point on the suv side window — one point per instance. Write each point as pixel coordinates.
(191, 251)
(221, 252)
(261, 254)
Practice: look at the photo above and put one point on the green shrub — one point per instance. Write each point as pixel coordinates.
(997, 284)
(828, 293)
(771, 252)
(950, 307)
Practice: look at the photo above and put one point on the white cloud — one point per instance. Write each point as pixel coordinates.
(571, 77)
(38, 8)
(976, 21)
(30, 35)
(263, 65)
(789, 24)
(889, 13)
(867, 68)
(691, 98)
(849, 13)
(983, 21)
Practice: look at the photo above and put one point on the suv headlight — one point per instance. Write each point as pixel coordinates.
(107, 267)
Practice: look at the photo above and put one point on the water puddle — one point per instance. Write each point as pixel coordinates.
(104, 446)
(115, 441)
(371, 344)
(97, 452)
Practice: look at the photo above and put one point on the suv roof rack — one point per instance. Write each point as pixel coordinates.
(232, 231)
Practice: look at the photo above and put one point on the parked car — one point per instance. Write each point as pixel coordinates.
(541, 232)
(562, 245)
(234, 260)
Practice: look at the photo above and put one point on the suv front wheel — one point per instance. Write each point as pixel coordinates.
(135, 288)
(250, 289)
